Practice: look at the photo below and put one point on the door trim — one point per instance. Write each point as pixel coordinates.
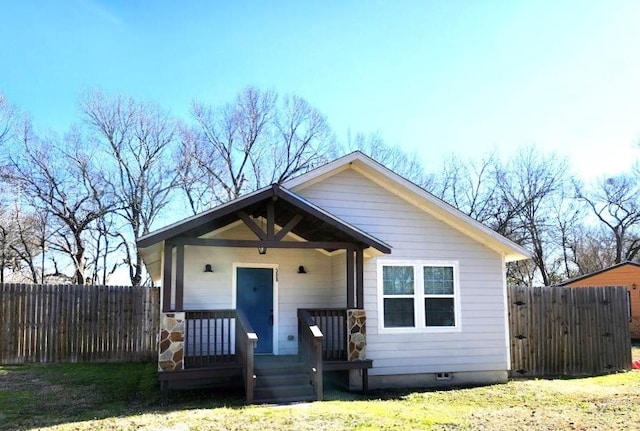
(234, 294)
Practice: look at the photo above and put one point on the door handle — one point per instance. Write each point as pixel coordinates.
(271, 318)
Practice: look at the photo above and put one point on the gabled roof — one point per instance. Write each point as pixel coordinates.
(313, 223)
(611, 268)
(417, 196)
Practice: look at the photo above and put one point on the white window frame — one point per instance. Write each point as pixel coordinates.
(419, 296)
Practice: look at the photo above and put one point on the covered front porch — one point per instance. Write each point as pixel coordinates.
(278, 343)
(200, 346)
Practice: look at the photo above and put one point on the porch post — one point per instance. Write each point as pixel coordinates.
(350, 279)
(180, 278)
(166, 277)
(359, 278)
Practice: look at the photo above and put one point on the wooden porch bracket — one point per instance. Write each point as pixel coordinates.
(287, 227)
(251, 224)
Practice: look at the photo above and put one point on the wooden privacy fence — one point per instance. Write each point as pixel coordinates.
(562, 331)
(65, 323)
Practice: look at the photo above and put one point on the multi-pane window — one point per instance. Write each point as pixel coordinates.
(439, 296)
(418, 295)
(398, 289)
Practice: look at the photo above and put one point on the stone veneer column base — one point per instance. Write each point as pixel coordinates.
(357, 335)
(171, 352)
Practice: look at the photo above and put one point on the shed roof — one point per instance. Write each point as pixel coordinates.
(601, 271)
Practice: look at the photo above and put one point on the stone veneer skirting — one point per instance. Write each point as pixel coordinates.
(357, 334)
(171, 356)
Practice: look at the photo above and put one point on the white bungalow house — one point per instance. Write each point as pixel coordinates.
(347, 267)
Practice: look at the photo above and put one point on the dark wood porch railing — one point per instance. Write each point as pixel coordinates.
(333, 324)
(208, 338)
(310, 349)
(218, 338)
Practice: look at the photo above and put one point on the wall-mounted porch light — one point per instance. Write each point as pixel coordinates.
(634, 286)
(262, 250)
(301, 270)
(208, 268)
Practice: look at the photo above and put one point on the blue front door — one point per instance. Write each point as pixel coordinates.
(254, 297)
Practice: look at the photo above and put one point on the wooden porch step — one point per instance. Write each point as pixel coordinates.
(295, 378)
(281, 394)
(280, 380)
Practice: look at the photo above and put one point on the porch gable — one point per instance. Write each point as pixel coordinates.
(271, 215)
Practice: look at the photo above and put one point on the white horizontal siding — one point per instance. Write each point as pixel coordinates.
(315, 289)
(413, 234)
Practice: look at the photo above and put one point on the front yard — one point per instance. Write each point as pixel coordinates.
(125, 396)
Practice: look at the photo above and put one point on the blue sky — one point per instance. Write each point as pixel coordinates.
(438, 77)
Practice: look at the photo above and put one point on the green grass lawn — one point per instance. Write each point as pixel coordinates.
(126, 396)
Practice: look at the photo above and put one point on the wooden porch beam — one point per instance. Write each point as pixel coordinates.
(251, 224)
(209, 242)
(287, 228)
(166, 277)
(350, 278)
(359, 278)
(180, 278)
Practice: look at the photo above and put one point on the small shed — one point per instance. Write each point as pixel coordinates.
(623, 274)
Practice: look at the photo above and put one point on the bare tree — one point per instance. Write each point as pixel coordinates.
(228, 143)
(403, 163)
(8, 117)
(107, 243)
(592, 250)
(8, 258)
(254, 141)
(304, 141)
(531, 187)
(16, 226)
(58, 178)
(138, 139)
(27, 243)
(615, 201)
(471, 186)
(570, 233)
